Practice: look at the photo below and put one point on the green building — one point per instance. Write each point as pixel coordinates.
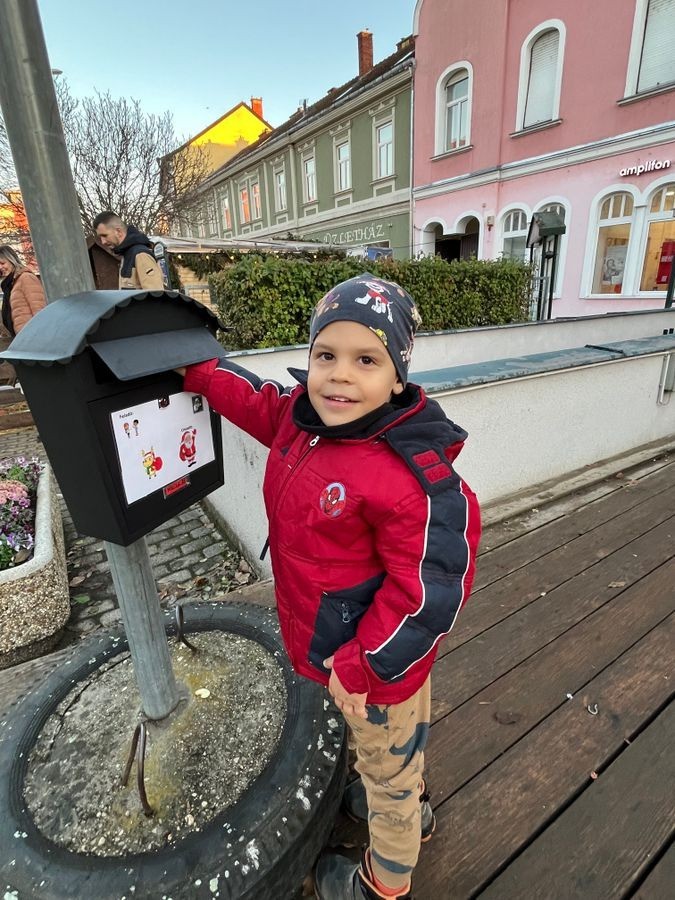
(337, 171)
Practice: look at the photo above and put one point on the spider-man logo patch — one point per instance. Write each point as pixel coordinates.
(333, 499)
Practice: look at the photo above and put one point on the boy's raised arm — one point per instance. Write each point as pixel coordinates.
(249, 402)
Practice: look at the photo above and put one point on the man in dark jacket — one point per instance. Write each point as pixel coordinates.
(139, 269)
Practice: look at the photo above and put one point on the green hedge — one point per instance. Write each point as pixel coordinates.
(268, 301)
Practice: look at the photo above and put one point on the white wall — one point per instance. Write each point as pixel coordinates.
(522, 432)
(454, 348)
(528, 430)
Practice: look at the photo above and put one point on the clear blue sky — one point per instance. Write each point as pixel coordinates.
(198, 58)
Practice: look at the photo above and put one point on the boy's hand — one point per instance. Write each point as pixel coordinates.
(180, 370)
(351, 704)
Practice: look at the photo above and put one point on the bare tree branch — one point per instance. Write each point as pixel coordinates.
(116, 153)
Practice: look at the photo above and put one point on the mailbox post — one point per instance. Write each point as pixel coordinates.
(130, 449)
(35, 135)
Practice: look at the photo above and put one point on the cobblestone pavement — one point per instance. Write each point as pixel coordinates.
(191, 559)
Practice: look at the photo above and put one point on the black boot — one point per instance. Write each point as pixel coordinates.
(339, 878)
(355, 805)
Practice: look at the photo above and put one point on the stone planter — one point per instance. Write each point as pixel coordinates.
(34, 596)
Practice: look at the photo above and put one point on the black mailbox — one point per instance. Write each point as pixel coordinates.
(128, 446)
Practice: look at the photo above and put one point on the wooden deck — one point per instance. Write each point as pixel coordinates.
(551, 760)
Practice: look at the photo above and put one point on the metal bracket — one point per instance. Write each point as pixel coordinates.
(180, 622)
(138, 750)
(667, 379)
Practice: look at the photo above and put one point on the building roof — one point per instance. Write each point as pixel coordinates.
(386, 68)
(208, 128)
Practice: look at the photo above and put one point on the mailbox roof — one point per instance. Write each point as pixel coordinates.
(63, 328)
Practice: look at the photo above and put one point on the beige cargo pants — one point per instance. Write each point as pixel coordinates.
(389, 749)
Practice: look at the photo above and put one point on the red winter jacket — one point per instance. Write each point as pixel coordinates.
(373, 541)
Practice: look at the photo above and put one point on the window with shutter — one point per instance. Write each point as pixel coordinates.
(541, 85)
(657, 62)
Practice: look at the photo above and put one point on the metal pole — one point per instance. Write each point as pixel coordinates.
(142, 617)
(35, 135)
(554, 268)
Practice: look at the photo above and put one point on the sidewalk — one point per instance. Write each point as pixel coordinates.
(191, 559)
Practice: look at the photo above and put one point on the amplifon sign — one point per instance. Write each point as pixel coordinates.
(652, 166)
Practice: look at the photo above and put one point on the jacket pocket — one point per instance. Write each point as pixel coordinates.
(338, 617)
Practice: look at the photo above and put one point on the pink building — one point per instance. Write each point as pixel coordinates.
(555, 105)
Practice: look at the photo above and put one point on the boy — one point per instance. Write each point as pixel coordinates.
(373, 540)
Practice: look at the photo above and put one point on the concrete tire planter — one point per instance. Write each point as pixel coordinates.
(273, 812)
(34, 596)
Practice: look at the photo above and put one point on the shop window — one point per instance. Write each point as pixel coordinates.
(541, 63)
(660, 247)
(657, 59)
(456, 111)
(514, 230)
(614, 225)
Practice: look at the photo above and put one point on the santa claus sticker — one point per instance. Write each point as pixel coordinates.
(188, 447)
(161, 441)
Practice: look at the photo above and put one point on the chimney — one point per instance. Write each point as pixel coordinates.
(257, 107)
(365, 40)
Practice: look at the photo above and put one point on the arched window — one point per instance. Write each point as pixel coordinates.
(614, 224)
(541, 64)
(514, 230)
(457, 111)
(453, 107)
(660, 247)
(541, 82)
(555, 208)
(560, 210)
(657, 60)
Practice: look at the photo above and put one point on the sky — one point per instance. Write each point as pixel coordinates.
(199, 58)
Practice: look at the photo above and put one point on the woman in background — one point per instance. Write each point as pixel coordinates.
(22, 291)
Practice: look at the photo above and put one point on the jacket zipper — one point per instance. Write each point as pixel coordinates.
(284, 488)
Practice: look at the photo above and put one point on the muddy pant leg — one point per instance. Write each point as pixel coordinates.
(390, 760)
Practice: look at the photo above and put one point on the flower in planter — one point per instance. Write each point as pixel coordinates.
(18, 489)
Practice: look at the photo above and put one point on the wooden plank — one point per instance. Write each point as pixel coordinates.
(602, 844)
(475, 663)
(494, 564)
(494, 815)
(474, 735)
(659, 883)
(544, 511)
(495, 603)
